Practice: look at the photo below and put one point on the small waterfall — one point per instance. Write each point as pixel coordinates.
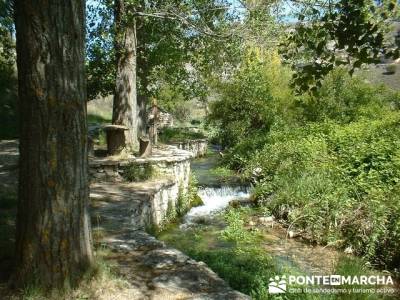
(215, 199)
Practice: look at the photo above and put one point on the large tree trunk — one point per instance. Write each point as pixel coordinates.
(125, 102)
(53, 241)
(142, 115)
(143, 75)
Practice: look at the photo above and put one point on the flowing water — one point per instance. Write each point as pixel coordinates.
(286, 252)
(215, 199)
(202, 226)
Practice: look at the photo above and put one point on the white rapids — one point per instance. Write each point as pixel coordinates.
(215, 200)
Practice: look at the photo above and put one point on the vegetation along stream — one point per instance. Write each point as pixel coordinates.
(246, 246)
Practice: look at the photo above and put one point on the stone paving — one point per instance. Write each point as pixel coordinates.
(153, 270)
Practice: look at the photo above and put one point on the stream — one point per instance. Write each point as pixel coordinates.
(201, 228)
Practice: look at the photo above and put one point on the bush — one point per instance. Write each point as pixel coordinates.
(189, 199)
(338, 183)
(251, 100)
(174, 135)
(345, 99)
(136, 172)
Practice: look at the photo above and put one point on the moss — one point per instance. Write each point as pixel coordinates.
(153, 229)
(196, 201)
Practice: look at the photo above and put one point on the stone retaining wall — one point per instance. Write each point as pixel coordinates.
(197, 147)
(147, 202)
(134, 205)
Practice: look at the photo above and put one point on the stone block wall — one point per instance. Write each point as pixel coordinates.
(148, 202)
(197, 147)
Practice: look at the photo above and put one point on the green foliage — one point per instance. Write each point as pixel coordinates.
(138, 172)
(241, 261)
(97, 119)
(100, 52)
(349, 33)
(338, 183)
(170, 35)
(224, 174)
(189, 199)
(249, 103)
(345, 99)
(8, 80)
(328, 164)
(172, 99)
(174, 135)
(341, 99)
(102, 138)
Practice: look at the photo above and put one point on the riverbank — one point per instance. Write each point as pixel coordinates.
(247, 247)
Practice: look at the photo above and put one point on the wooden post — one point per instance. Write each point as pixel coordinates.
(145, 146)
(153, 122)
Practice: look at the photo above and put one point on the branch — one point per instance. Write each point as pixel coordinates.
(183, 19)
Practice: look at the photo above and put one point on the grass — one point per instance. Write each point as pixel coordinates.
(100, 282)
(98, 119)
(236, 255)
(100, 110)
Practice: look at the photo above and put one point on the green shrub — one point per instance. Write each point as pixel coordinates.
(189, 199)
(174, 135)
(251, 100)
(102, 138)
(341, 99)
(345, 99)
(138, 172)
(339, 183)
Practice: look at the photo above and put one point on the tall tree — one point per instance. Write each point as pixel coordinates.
(170, 36)
(125, 93)
(53, 242)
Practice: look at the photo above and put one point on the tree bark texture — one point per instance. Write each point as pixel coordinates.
(125, 95)
(53, 240)
(142, 74)
(142, 101)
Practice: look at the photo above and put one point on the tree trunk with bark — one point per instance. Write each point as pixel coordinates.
(142, 74)
(53, 240)
(125, 95)
(142, 101)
